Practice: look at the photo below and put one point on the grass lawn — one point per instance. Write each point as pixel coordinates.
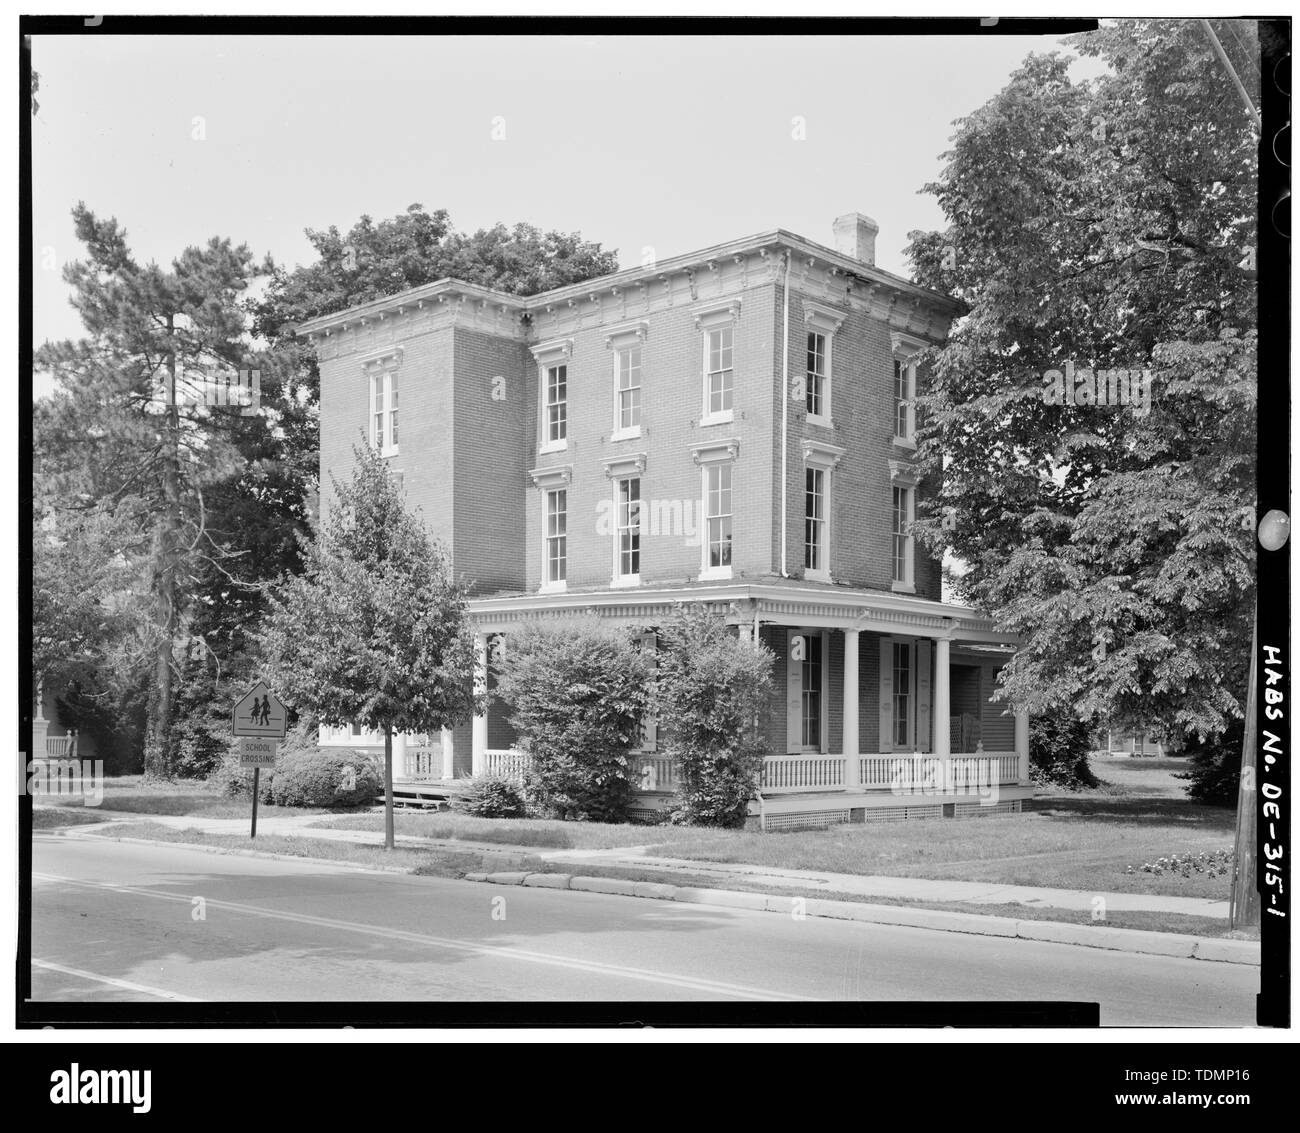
(183, 796)
(1082, 840)
(49, 818)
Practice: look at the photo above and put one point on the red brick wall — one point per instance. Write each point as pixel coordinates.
(862, 415)
(492, 441)
(672, 401)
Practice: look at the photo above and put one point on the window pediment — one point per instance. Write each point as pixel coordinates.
(821, 318)
(819, 454)
(716, 313)
(627, 334)
(716, 452)
(554, 352)
(558, 476)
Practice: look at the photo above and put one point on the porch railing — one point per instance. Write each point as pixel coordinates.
(506, 761)
(654, 772)
(422, 764)
(61, 747)
(783, 773)
(885, 772)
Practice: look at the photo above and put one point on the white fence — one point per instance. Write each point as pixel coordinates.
(785, 773)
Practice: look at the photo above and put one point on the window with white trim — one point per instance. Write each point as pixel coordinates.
(815, 388)
(718, 516)
(814, 522)
(557, 540)
(904, 390)
(383, 411)
(902, 727)
(719, 370)
(628, 534)
(810, 680)
(903, 502)
(818, 393)
(556, 401)
(627, 390)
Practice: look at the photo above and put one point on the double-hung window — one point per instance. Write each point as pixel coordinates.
(716, 321)
(553, 359)
(902, 737)
(815, 387)
(901, 511)
(627, 409)
(557, 404)
(718, 516)
(906, 350)
(720, 374)
(814, 523)
(811, 693)
(823, 323)
(557, 538)
(383, 411)
(820, 461)
(629, 527)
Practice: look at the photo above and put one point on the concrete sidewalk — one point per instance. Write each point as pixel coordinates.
(672, 870)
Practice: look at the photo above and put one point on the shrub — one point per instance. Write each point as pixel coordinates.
(326, 776)
(1215, 766)
(1058, 751)
(493, 796)
(711, 694)
(577, 694)
(1212, 863)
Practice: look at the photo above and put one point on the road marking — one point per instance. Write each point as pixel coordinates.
(597, 967)
(124, 985)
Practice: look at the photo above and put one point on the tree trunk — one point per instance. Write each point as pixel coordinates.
(388, 787)
(1244, 908)
(158, 737)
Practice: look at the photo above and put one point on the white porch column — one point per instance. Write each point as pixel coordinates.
(479, 735)
(939, 716)
(448, 755)
(399, 755)
(1022, 742)
(850, 726)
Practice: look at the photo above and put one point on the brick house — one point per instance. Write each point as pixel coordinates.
(623, 445)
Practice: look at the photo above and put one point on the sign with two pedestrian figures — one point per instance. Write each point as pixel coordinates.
(259, 720)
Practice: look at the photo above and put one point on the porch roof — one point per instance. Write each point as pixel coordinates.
(777, 602)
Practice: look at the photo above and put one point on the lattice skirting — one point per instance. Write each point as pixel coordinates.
(974, 810)
(808, 820)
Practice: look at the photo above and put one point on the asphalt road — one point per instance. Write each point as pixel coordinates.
(116, 921)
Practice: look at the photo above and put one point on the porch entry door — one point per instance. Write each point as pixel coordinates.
(806, 687)
(904, 692)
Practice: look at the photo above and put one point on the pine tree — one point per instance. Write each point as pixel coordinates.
(121, 437)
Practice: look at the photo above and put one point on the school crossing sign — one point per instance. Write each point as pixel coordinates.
(259, 720)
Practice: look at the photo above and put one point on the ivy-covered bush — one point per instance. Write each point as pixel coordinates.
(493, 796)
(1058, 751)
(711, 695)
(326, 776)
(1214, 766)
(577, 693)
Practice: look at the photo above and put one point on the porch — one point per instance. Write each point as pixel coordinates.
(856, 672)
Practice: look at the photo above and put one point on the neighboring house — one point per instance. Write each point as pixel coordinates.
(50, 737)
(623, 446)
(1121, 743)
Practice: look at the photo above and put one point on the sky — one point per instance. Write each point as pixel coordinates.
(670, 144)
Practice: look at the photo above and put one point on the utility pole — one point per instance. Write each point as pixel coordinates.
(1232, 73)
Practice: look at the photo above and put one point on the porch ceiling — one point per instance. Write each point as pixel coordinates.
(771, 602)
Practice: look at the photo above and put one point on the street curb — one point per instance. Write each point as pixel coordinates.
(1178, 945)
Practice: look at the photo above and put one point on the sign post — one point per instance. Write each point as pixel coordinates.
(259, 719)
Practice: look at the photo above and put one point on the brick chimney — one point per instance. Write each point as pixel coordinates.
(855, 235)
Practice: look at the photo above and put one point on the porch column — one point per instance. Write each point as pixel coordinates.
(448, 755)
(1022, 742)
(399, 755)
(939, 717)
(850, 745)
(479, 734)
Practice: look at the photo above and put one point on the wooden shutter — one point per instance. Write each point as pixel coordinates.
(886, 741)
(793, 694)
(921, 653)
